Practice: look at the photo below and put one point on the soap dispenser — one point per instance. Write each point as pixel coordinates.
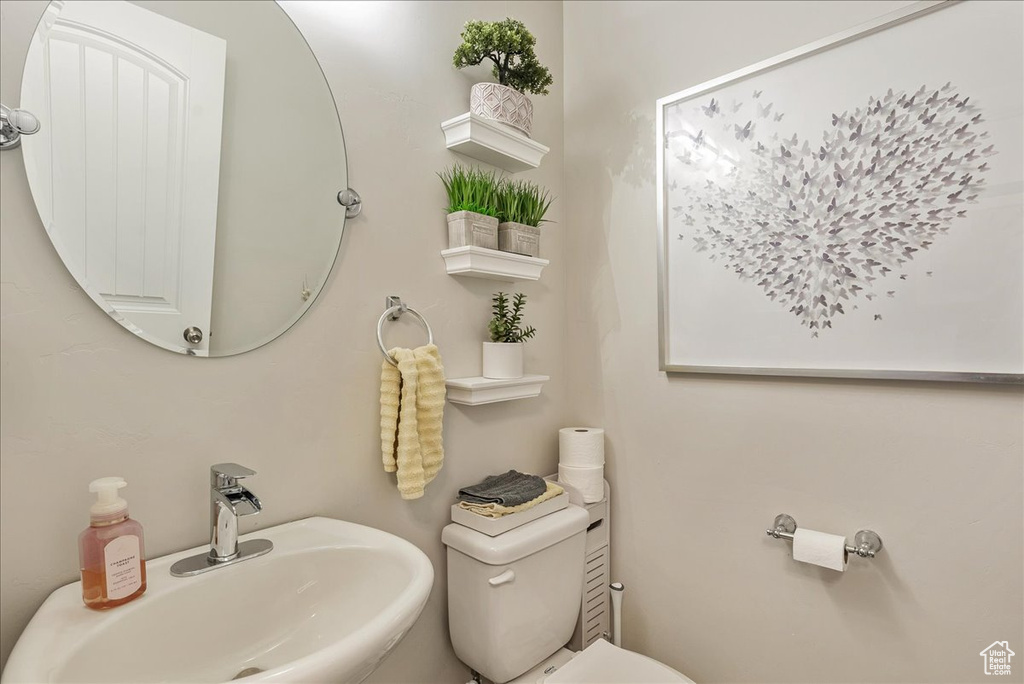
(111, 551)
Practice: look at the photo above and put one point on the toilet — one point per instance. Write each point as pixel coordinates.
(513, 601)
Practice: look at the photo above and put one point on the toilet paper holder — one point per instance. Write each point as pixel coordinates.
(866, 543)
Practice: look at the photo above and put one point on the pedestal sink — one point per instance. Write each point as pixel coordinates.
(326, 605)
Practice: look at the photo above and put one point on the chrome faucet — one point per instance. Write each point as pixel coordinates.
(228, 502)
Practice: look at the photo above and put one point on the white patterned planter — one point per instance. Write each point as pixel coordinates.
(503, 104)
(519, 238)
(468, 228)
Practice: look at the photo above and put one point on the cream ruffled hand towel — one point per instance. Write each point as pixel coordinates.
(411, 413)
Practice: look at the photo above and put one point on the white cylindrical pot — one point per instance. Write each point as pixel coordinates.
(503, 360)
(503, 104)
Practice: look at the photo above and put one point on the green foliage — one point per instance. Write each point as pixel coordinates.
(509, 45)
(522, 202)
(506, 324)
(470, 189)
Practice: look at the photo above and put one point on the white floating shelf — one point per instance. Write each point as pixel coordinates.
(492, 142)
(479, 262)
(476, 391)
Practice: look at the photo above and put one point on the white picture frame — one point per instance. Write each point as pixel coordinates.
(804, 242)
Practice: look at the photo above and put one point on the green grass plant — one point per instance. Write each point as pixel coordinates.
(522, 202)
(470, 189)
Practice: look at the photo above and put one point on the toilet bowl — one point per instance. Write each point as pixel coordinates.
(513, 601)
(601, 663)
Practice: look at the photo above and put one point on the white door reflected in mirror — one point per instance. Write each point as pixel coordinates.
(125, 175)
(153, 177)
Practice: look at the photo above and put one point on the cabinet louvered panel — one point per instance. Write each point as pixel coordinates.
(595, 619)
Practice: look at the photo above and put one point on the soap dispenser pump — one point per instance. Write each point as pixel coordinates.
(111, 551)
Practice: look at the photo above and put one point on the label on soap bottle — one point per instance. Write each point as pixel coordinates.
(123, 567)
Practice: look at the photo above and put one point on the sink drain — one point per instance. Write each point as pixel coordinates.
(247, 672)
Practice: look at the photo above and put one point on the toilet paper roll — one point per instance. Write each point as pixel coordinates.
(581, 447)
(589, 481)
(819, 548)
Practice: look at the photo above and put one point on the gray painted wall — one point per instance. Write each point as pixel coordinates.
(700, 466)
(83, 398)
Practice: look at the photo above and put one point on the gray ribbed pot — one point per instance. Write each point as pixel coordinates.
(519, 238)
(468, 228)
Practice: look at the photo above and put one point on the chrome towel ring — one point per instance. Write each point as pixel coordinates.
(396, 307)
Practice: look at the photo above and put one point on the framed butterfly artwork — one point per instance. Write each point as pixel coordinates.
(852, 208)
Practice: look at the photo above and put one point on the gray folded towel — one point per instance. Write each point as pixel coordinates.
(511, 489)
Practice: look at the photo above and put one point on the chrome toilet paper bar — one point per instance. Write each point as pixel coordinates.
(866, 543)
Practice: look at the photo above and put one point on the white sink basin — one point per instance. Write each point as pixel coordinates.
(326, 605)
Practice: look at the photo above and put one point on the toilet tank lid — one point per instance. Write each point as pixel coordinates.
(519, 542)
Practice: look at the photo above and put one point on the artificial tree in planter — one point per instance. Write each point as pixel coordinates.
(472, 207)
(521, 209)
(503, 355)
(509, 45)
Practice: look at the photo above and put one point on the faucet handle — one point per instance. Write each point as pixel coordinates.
(228, 474)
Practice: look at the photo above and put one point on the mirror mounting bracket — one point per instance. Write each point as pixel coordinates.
(352, 202)
(15, 123)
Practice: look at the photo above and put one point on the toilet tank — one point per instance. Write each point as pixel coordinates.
(513, 599)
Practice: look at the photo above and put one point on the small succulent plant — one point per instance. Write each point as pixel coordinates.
(506, 323)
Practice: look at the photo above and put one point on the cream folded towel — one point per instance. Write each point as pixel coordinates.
(411, 413)
(493, 510)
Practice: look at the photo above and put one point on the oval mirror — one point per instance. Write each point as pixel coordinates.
(170, 172)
